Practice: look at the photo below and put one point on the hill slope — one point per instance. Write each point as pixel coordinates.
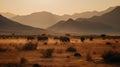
(8, 26)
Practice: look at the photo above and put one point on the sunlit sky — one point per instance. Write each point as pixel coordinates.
(55, 6)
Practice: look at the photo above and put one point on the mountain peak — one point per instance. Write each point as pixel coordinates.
(43, 12)
(70, 20)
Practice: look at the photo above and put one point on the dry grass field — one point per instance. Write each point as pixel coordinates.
(53, 53)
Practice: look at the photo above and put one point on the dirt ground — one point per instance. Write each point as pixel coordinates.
(60, 57)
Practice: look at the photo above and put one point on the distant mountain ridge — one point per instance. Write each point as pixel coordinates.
(8, 27)
(46, 19)
(106, 23)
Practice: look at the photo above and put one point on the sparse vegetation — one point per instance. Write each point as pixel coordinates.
(25, 54)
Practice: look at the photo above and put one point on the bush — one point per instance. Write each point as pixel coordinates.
(94, 53)
(11, 65)
(117, 41)
(111, 57)
(71, 49)
(36, 65)
(103, 36)
(3, 49)
(23, 61)
(30, 46)
(108, 43)
(88, 57)
(67, 56)
(82, 39)
(48, 53)
(45, 43)
(91, 38)
(77, 55)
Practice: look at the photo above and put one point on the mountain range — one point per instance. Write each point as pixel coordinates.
(107, 23)
(46, 19)
(8, 26)
(103, 22)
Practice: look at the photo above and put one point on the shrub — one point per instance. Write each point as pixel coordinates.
(103, 36)
(3, 49)
(108, 43)
(88, 57)
(36, 65)
(47, 53)
(67, 56)
(111, 57)
(45, 43)
(91, 38)
(67, 34)
(117, 41)
(71, 49)
(43, 35)
(82, 39)
(77, 55)
(30, 46)
(23, 61)
(11, 65)
(94, 53)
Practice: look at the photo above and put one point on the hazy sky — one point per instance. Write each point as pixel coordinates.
(55, 6)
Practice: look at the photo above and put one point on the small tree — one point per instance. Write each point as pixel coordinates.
(36, 65)
(91, 38)
(103, 36)
(82, 39)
